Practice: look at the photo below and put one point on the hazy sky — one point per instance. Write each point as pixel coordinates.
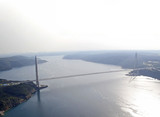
(65, 25)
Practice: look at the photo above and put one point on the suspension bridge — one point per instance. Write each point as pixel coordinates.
(133, 76)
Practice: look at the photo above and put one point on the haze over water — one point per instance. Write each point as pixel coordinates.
(104, 95)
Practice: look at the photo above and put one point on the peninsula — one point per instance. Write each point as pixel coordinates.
(8, 63)
(13, 93)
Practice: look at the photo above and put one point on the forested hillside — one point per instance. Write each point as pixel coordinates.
(8, 63)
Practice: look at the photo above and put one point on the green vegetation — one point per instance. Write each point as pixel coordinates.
(11, 96)
(8, 63)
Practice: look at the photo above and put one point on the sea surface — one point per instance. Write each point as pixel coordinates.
(101, 95)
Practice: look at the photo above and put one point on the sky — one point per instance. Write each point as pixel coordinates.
(73, 25)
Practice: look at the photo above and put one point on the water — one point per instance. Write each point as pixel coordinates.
(104, 95)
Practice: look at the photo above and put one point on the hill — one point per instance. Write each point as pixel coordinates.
(8, 63)
(11, 96)
(125, 59)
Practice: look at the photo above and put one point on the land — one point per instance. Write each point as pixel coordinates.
(154, 73)
(149, 60)
(13, 95)
(8, 63)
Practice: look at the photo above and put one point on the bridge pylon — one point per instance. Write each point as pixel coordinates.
(135, 69)
(36, 69)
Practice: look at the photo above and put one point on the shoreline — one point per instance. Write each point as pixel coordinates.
(14, 95)
(153, 73)
(2, 113)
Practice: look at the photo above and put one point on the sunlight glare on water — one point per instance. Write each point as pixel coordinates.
(142, 99)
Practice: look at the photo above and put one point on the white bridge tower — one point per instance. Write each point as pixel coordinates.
(36, 68)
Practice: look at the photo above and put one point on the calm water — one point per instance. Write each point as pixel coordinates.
(105, 95)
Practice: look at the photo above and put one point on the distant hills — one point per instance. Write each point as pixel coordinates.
(8, 63)
(125, 59)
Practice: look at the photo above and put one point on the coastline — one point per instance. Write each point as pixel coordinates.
(13, 95)
(154, 73)
(9, 63)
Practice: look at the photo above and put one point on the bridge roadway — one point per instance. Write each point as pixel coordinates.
(78, 75)
(62, 77)
(85, 74)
